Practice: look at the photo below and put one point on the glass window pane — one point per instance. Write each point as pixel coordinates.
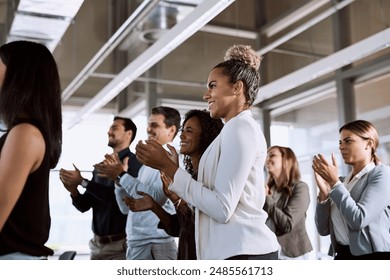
(373, 105)
(309, 129)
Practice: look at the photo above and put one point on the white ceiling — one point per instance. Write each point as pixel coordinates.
(45, 21)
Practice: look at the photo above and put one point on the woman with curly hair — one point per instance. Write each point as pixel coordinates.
(286, 203)
(228, 195)
(198, 131)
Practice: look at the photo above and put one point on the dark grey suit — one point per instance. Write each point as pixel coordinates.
(289, 215)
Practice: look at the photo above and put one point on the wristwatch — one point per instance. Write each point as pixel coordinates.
(84, 183)
(118, 178)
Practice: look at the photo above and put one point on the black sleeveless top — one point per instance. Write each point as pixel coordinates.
(27, 228)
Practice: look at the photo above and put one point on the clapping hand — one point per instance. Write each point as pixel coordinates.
(111, 166)
(152, 154)
(326, 175)
(328, 171)
(71, 179)
(144, 203)
(166, 182)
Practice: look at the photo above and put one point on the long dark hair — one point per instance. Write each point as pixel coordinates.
(32, 88)
(210, 129)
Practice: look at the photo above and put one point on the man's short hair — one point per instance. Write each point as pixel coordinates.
(172, 116)
(129, 125)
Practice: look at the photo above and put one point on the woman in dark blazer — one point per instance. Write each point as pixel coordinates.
(286, 203)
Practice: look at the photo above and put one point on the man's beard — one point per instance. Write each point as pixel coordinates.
(112, 144)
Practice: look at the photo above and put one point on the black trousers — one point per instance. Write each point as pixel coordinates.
(344, 253)
(270, 256)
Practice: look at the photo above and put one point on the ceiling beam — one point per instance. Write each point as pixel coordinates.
(348, 55)
(184, 29)
(292, 17)
(229, 31)
(304, 26)
(139, 14)
(154, 80)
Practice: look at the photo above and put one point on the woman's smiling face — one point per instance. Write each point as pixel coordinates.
(220, 95)
(274, 162)
(190, 137)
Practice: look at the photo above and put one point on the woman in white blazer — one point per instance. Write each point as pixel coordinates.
(355, 211)
(229, 194)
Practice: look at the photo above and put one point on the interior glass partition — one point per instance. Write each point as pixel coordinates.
(373, 104)
(309, 128)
